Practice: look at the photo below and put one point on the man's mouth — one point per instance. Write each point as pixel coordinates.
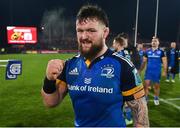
(86, 44)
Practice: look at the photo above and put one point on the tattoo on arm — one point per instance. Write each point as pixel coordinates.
(140, 112)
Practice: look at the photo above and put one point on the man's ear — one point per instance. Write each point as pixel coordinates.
(106, 32)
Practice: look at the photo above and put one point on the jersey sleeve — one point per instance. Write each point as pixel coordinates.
(61, 79)
(163, 54)
(145, 54)
(131, 83)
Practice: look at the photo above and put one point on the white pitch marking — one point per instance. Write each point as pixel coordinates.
(170, 99)
(167, 102)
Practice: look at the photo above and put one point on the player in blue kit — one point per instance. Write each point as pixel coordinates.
(173, 62)
(141, 52)
(97, 80)
(119, 44)
(154, 57)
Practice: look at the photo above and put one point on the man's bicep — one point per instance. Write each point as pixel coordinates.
(62, 88)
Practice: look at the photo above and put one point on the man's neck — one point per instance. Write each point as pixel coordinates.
(120, 49)
(154, 48)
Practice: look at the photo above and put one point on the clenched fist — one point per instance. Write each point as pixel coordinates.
(54, 69)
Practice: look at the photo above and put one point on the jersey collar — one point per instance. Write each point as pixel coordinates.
(90, 64)
(155, 49)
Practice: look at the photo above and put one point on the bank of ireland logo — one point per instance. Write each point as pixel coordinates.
(107, 71)
(87, 80)
(13, 69)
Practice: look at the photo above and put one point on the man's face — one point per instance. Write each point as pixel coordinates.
(115, 45)
(140, 46)
(173, 45)
(91, 35)
(125, 43)
(155, 42)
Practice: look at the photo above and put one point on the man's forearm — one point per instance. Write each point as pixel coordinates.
(165, 66)
(140, 112)
(50, 93)
(50, 100)
(164, 60)
(142, 66)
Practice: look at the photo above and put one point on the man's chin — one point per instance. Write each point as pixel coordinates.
(84, 52)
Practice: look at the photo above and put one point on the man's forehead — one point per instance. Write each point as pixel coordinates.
(155, 40)
(86, 21)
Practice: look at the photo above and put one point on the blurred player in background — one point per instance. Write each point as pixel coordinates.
(119, 43)
(154, 57)
(141, 52)
(173, 62)
(97, 80)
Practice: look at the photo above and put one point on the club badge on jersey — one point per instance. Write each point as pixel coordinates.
(14, 68)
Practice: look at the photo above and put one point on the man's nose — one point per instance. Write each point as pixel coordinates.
(84, 35)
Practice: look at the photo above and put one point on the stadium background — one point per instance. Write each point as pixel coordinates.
(20, 99)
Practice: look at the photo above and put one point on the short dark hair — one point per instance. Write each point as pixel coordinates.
(154, 37)
(124, 35)
(92, 11)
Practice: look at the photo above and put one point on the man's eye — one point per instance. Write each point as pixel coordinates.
(91, 30)
(79, 30)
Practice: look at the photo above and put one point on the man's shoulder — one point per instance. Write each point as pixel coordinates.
(161, 49)
(74, 58)
(148, 49)
(121, 59)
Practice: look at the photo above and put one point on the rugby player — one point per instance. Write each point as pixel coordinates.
(173, 62)
(154, 57)
(119, 43)
(97, 80)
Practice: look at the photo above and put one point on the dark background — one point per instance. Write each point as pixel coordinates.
(121, 15)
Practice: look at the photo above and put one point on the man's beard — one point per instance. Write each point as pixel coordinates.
(93, 50)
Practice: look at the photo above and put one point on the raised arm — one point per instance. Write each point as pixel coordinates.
(53, 90)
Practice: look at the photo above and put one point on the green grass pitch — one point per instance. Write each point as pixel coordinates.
(21, 102)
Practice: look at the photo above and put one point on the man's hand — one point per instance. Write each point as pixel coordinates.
(54, 68)
(165, 71)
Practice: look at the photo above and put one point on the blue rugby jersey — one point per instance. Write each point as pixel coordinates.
(141, 53)
(171, 62)
(98, 89)
(124, 53)
(154, 60)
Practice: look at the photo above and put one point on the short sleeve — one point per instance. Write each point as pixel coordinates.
(62, 76)
(145, 54)
(163, 54)
(131, 83)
